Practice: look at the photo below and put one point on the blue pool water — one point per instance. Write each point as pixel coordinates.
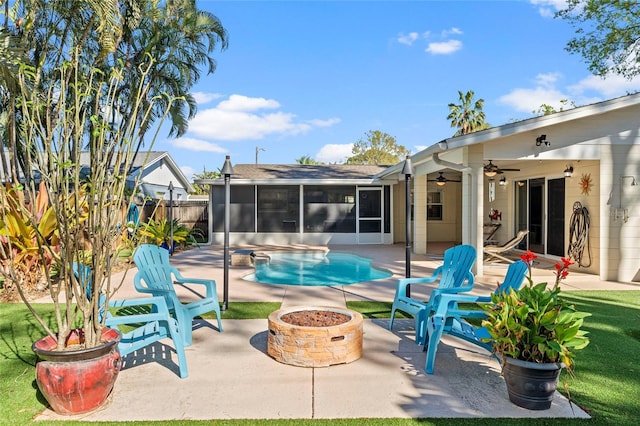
(315, 269)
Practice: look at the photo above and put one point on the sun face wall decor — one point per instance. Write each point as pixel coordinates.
(585, 183)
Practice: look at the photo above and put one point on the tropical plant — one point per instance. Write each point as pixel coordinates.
(306, 159)
(379, 148)
(102, 34)
(206, 174)
(78, 111)
(21, 233)
(160, 232)
(535, 323)
(467, 116)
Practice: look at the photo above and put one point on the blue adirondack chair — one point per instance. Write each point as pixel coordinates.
(449, 319)
(454, 276)
(156, 276)
(149, 318)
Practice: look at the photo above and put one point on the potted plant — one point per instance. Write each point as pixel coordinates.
(536, 332)
(77, 140)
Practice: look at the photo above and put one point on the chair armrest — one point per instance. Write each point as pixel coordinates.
(210, 285)
(401, 288)
(159, 311)
(447, 304)
(158, 302)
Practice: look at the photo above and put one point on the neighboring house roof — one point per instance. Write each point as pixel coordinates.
(152, 158)
(147, 160)
(293, 174)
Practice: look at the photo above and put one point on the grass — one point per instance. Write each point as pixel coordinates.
(606, 381)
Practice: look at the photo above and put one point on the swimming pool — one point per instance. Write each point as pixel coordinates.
(315, 269)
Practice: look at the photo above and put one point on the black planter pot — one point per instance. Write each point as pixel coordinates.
(531, 385)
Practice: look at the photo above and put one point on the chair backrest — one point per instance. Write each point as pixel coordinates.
(153, 266)
(512, 243)
(83, 275)
(514, 278)
(457, 265)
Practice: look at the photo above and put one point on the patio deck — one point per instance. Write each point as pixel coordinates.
(232, 377)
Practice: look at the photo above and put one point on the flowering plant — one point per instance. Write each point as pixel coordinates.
(535, 323)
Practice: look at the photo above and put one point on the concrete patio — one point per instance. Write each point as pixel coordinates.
(232, 377)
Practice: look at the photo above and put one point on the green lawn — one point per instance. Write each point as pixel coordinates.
(606, 381)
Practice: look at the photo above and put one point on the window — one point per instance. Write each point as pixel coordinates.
(434, 205)
(329, 209)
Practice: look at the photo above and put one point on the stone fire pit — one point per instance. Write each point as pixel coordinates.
(308, 336)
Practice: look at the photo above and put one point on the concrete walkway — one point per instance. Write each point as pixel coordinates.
(232, 377)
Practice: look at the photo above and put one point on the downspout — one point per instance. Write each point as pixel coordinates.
(455, 166)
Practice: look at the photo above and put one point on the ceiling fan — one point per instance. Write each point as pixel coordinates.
(441, 179)
(492, 170)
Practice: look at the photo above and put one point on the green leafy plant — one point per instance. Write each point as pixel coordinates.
(535, 323)
(159, 232)
(77, 156)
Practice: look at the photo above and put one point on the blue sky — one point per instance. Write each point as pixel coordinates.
(312, 77)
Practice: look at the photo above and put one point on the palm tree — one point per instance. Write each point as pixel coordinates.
(181, 39)
(306, 159)
(166, 43)
(468, 116)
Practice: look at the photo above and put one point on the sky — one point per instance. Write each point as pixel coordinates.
(311, 78)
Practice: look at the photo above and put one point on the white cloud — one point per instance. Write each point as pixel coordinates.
(444, 48)
(610, 87)
(324, 123)
(407, 39)
(548, 8)
(548, 80)
(529, 100)
(193, 144)
(243, 118)
(589, 90)
(334, 153)
(245, 103)
(451, 31)
(188, 172)
(204, 98)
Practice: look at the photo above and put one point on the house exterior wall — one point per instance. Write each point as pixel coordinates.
(156, 178)
(620, 251)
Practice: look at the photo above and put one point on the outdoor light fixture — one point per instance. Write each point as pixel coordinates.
(490, 173)
(407, 171)
(568, 172)
(503, 181)
(227, 171)
(443, 144)
(542, 139)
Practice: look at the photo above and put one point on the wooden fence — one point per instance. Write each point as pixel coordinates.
(193, 214)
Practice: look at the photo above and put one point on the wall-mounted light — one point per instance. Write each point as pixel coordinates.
(568, 172)
(503, 181)
(542, 139)
(521, 183)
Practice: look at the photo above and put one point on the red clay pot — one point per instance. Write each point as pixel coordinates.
(75, 382)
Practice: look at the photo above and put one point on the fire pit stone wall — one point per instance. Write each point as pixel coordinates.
(319, 346)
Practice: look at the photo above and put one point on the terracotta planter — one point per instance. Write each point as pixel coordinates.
(79, 381)
(531, 385)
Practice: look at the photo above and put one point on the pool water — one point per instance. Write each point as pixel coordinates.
(316, 269)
